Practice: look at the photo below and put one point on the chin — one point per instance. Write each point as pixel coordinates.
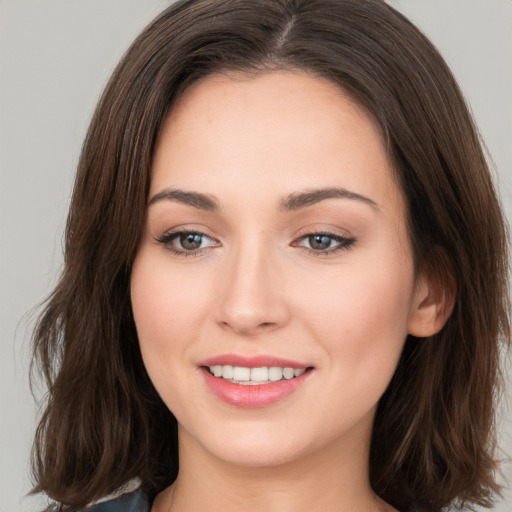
(258, 454)
(261, 444)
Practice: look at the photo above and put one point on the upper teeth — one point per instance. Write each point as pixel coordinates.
(246, 375)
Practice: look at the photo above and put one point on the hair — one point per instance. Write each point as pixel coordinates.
(434, 434)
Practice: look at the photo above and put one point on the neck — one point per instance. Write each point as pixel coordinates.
(339, 481)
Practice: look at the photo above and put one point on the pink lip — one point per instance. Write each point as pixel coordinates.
(253, 361)
(241, 395)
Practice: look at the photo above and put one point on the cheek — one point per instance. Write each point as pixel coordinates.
(360, 316)
(166, 309)
(168, 315)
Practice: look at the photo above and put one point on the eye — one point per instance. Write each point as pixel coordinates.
(320, 242)
(186, 242)
(324, 243)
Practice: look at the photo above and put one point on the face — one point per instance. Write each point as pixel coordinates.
(274, 286)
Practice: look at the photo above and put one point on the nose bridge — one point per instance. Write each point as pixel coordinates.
(252, 297)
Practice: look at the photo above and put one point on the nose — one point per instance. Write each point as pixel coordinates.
(252, 293)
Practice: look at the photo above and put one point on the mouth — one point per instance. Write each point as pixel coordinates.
(254, 381)
(255, 376)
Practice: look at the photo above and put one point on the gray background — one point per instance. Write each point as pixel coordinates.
(55, 57)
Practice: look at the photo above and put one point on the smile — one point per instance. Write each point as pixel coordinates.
(254, 376)
(254, 381)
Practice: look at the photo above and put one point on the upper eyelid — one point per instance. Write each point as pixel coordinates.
(323, 229)
(189, 228)
(172, 234)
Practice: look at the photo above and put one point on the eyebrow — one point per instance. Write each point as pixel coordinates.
(195, 199)
(292, 202)
(299, 200)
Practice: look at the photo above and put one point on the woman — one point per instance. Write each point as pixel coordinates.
(285, 274)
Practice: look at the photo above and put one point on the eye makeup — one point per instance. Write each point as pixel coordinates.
(192, 242)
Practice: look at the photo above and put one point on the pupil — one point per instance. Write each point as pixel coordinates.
(190, 241)
(320, 242)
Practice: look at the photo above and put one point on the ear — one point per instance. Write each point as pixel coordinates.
(433, 302)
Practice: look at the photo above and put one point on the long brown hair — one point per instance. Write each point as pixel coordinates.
(434, 434)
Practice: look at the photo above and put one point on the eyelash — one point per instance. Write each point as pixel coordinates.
(167, 239)
(343, 243)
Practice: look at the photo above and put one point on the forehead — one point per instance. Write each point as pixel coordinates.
(273, 95)
(282, 128)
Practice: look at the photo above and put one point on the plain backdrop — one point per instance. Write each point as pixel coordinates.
(55, 57)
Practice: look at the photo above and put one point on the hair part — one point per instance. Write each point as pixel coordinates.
(434, 433)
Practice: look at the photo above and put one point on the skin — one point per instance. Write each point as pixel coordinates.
(256, 286)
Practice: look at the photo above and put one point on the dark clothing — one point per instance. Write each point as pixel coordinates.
(135, 501)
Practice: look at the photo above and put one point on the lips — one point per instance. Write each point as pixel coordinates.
(256, 381)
